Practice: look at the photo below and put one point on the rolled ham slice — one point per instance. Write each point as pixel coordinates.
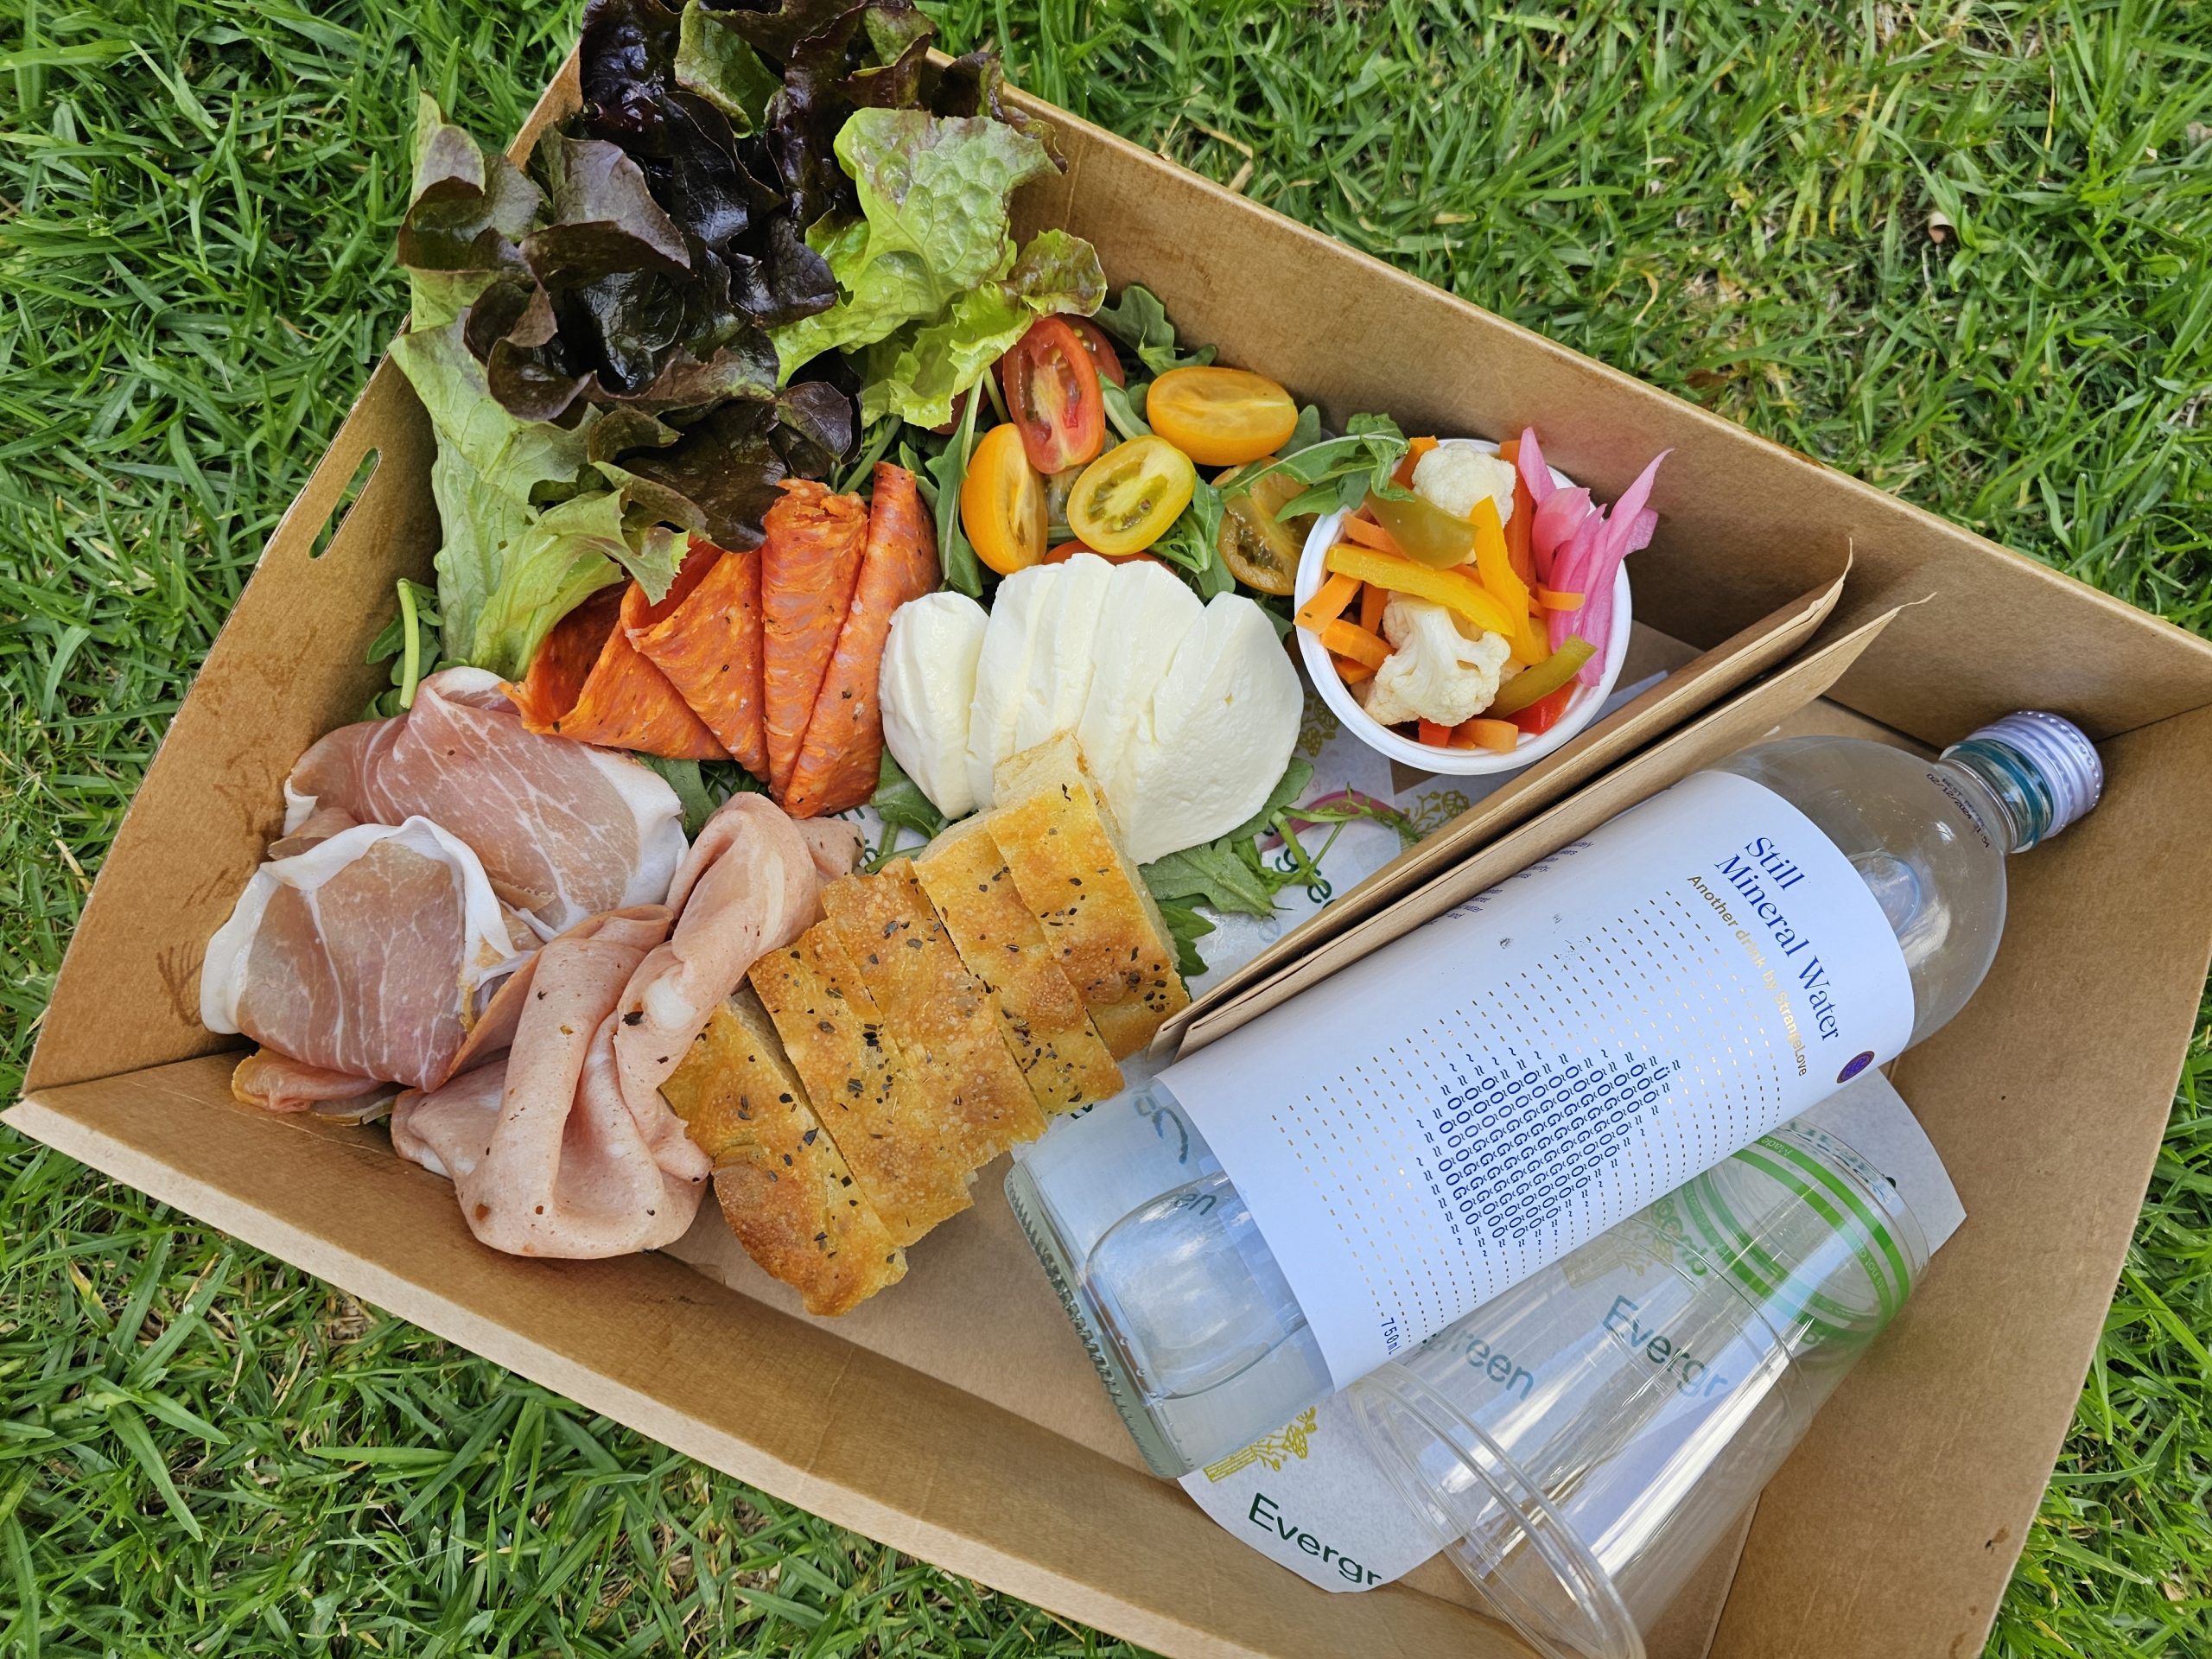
(752, 884)
(545, 1157)
(367, 957)
(563, 830)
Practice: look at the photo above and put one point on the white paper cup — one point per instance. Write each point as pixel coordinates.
(1581, 708)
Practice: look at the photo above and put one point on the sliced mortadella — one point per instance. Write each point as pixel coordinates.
(544, 1156)
(752, 885)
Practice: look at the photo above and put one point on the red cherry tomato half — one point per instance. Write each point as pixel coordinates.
(1103, 354)
(1052, 395)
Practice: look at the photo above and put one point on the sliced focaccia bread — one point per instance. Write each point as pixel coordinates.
(1104, 930)
(1059, 1050)
(784, 1188)
(941, 1016)
(862, 1092)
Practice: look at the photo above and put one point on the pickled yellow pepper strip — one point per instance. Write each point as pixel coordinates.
(1492, 562)
(1449, 588)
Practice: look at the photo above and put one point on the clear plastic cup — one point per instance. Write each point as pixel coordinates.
(1581, 1443)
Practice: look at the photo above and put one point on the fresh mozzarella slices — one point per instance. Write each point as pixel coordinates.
(1072, 642)
(1219, 732)
(1002, 672)
(1145, 615)
(1184, 713)
(927, 686)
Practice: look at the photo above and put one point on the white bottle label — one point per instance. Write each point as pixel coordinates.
(1455, 1113)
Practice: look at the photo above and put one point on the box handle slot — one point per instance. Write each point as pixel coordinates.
(341, 510)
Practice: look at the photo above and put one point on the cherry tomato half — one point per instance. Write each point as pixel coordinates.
(1260, 549)
(1126, 499)
(1103, 354)
(1002, 503)
(1220, 417)
(1052, 395)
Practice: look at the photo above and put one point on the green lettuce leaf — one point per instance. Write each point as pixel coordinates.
(934, 195)
(917, 372)
(715, 61)
(556, 561)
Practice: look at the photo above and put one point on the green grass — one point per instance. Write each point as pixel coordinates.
(1959, 250)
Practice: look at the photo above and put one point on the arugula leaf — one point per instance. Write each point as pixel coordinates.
(702, 786)
(940, 479)
(917, 371)
(1121, 411)
(1340, 472)
(1306, 434)
(934, 195)
(898, 801)
(877, 444)
(1139, 322)
(1228, 875)
(1185, 926)
(1193, 542)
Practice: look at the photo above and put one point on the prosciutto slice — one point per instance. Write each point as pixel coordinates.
(544, 1156)
(750, 884)
(275, 1084)
(563, 830)
(365, 957)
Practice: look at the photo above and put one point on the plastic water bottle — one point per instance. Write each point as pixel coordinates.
(1458, 1111)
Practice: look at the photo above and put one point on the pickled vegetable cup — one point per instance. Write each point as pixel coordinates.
(1581, 708)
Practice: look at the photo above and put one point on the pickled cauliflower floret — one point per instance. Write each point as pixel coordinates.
(1434, 671)
(1454, 476)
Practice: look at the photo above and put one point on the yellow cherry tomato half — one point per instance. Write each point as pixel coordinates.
(1126, 499)
(1002, 503)
(1220, 417)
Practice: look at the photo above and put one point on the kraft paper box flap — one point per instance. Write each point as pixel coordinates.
(775, 1400)
(1742, 719)
(1689, 689)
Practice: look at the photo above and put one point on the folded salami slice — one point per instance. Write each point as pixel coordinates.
(808, 565)
(589, 682)
(709, 646)
(840, 757)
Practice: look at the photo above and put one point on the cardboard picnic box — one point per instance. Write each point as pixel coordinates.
(956, 1417)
